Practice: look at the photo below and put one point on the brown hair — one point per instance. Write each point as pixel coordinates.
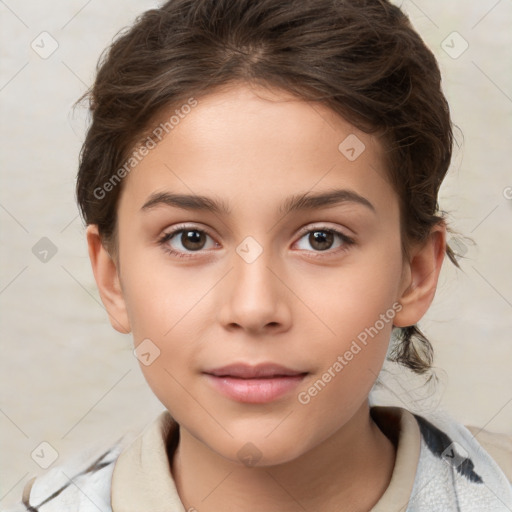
(361, 58)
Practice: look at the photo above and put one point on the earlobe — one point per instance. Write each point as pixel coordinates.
(107, 280)
(420, 278)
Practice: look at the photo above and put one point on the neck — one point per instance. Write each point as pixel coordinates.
(339, 474)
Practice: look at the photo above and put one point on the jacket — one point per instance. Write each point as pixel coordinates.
(440, 466)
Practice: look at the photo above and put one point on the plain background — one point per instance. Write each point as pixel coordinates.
(69, 379)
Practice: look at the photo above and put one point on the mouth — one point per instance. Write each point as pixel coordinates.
(254, 384)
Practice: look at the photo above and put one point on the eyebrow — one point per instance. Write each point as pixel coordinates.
(305, 201)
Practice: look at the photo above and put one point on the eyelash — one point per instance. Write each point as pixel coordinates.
(347, 241)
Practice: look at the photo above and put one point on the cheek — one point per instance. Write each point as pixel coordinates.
(352, 357)
(354, 298)
(157, 294)
(165, 305)
(358, 305)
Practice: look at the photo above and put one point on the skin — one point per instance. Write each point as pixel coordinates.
(252, 148)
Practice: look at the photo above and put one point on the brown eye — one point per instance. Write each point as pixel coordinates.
(185, 241)
(321, 240)
(324, 240)
(193, 240)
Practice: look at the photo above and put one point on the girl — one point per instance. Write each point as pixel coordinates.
(259, 184)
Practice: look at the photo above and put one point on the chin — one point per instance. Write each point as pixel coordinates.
(260, 453)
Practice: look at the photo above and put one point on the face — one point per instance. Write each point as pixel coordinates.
(310, 285)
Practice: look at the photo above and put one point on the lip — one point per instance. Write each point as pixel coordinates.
(254, 384)
(248, 371)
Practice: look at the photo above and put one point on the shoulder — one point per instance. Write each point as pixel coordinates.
(497, 445)
(81, 484)
(470, 472)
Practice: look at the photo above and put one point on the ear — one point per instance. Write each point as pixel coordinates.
(420, 277)
(107, 280)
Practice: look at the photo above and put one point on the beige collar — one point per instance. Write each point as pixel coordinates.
(399, 424)
(142, 478)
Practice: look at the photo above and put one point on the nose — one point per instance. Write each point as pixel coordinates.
(254, 297)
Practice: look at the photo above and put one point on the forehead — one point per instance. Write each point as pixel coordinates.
(249, 144)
